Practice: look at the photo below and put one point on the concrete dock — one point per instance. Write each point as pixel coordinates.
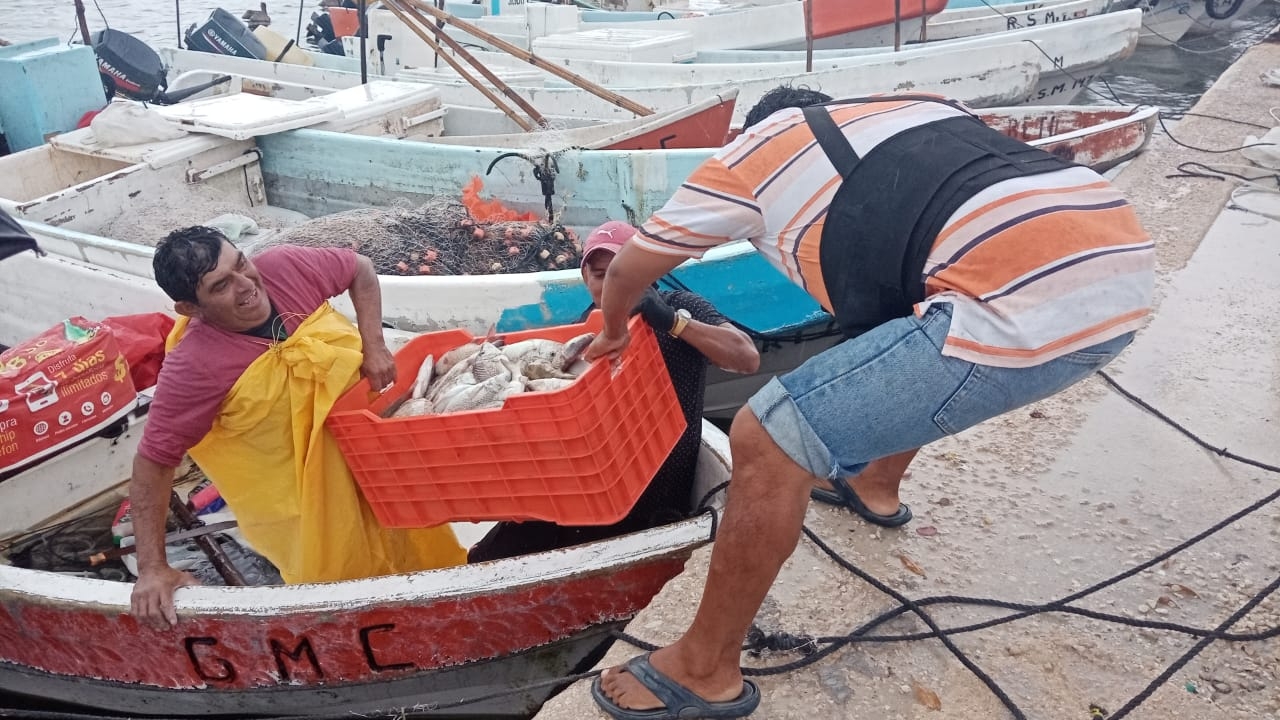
(1045, 501)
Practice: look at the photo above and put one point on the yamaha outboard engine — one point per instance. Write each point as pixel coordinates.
(132, 69)
(128, 65)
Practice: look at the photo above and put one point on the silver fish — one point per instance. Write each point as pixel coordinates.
(412, 408)
(574, 349)
(545, 371)
(457, 356)
(578, 367)
(463, 352)
(490, 362)
(487, 394)
(547, 384)
(533, 351)
(425, 373)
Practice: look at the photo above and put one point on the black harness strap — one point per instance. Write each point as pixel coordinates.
(833, 142)
(893, 203)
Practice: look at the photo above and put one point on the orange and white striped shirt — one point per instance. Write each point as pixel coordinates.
(1034, 267)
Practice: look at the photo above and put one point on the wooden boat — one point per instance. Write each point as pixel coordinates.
(1004, 74)
(1216, 15)
(959, 22)
(702, 123)
(973, 22)
(774, 26)
(478, 640)
(1069, 55)
(738, 25)
(1098, 137)
(1165, 23)
(593, 186)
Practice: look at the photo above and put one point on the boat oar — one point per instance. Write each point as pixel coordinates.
(403, 16)
(808, 35)
(221, 562)
(897, 25)
(84, 26)
(461, 52)
(534, 60)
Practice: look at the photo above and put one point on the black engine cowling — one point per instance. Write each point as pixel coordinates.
(131, 67)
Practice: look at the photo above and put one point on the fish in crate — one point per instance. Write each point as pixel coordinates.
(482, 374)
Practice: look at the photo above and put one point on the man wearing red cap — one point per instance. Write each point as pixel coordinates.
(691, 333)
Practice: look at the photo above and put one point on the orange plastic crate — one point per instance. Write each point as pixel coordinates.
(577, 456)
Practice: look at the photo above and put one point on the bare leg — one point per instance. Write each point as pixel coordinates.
(877, 485)
(762, 520)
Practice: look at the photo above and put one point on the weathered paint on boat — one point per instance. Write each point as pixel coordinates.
(703, 124)
(1004, 75)
(1070, 55)
(1166, 22)
(429, 638)
(965, 22)
(1099, 138)
(1232, 16)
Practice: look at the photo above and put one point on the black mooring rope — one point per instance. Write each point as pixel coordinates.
(809, 646)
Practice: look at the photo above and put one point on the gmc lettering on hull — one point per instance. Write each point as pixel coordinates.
(291, 658)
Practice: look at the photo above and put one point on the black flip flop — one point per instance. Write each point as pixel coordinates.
(679, 701)
(843, 496)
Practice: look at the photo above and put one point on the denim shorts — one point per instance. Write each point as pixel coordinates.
(891, 390)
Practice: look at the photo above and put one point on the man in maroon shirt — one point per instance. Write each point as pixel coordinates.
(237, 308)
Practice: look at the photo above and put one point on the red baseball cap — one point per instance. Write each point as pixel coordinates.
(610, 236)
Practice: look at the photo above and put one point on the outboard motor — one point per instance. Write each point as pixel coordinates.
(224, 34)
(320, 29)
(132, 69)
(128, 66)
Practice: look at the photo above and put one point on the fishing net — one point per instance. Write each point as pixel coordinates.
(442, 236)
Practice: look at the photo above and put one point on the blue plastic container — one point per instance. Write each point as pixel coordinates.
(45, 88)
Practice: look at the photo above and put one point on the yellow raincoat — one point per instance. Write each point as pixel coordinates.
(283, 475)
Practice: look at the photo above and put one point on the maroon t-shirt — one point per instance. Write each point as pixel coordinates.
(202, 369)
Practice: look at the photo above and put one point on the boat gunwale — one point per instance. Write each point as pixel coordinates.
(23, 586)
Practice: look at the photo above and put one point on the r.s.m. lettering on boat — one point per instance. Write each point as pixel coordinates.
(1072, 84)
(1048, 17)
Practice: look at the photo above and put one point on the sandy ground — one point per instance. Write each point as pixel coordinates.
(1053, 498)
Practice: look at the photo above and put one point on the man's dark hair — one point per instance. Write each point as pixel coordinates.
(781, 97)
(183, 257)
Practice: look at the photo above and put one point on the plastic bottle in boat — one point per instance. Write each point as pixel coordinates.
(224, 34)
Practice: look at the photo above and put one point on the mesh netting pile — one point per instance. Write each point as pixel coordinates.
(440, 237)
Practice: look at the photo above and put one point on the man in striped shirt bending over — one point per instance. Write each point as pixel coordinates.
(973, 274)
